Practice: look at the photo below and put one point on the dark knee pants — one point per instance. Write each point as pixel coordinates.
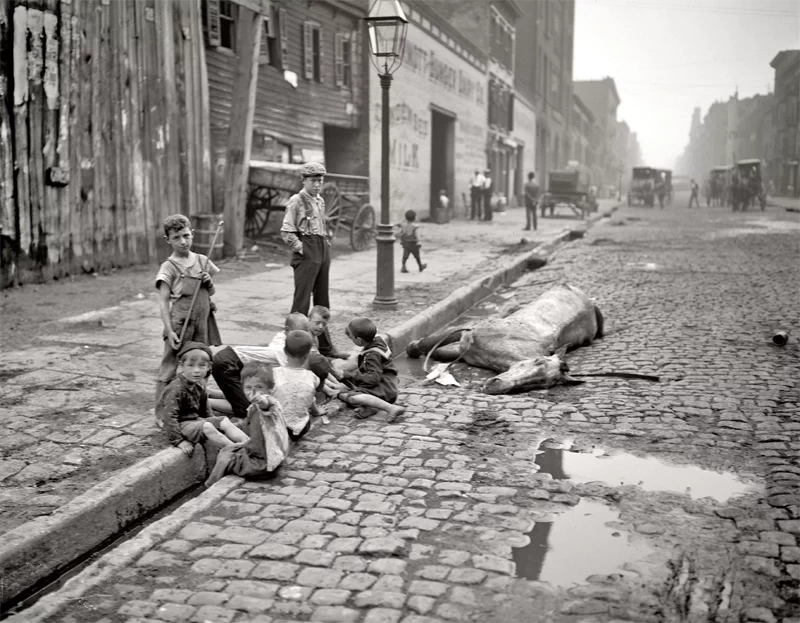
(411, 249)
(226, 368)
(311, 274)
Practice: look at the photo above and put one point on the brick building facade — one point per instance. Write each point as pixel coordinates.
(602, 99)
(438, 126)
(786, 122)
(543, 66)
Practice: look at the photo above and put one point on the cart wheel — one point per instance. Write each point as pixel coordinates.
(333, 207)
(259, 202)
(362, 232)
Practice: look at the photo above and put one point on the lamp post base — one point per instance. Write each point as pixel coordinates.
(384, 297)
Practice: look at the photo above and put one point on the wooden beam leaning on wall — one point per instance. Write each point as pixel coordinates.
(240, 136)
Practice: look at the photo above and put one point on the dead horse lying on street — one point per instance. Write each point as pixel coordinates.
(527, 347)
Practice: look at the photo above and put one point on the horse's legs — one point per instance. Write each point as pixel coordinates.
(420, 347)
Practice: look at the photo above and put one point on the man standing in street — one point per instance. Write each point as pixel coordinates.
(476, 195)
(305, 230)
(695, 194)
(487, 195)
(531, 201)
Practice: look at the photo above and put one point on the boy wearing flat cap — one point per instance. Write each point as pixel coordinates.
(306, 232)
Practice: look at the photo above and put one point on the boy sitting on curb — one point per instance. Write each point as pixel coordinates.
(296, 385)
(265, 425)
(183, 407)
(374, 383)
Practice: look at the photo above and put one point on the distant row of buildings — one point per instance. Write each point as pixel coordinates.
(765, 127)
(484, 84)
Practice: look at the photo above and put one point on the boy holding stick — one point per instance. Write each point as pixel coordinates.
(185, 288)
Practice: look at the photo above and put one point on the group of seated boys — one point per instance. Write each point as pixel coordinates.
(272, 392)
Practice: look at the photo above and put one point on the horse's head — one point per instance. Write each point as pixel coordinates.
(529, 374)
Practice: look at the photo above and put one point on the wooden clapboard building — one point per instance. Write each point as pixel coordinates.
(310, 95)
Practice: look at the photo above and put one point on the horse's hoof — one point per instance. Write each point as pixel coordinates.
(413, 351)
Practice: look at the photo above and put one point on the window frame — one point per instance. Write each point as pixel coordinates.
(227, 24)
(313, 51)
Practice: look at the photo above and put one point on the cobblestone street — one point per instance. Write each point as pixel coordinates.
(434, 518)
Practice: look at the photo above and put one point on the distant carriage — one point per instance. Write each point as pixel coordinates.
(749, 188)
(347, 207)
(643, 186)
(719, 185)
(570, 188)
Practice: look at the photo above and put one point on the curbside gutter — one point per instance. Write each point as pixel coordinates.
(38, 550)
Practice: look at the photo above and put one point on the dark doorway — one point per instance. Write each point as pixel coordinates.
(442, 162)
(345, 150)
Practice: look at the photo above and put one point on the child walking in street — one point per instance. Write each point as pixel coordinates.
(296, 385)
(374, 384)
(264, 425)
(409, 240)
(176, 282)
(183, 406)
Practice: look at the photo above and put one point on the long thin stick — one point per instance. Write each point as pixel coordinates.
(197, 287)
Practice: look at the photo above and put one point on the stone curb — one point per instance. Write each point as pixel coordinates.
(105, 566)
(41, 548)
(37, 550)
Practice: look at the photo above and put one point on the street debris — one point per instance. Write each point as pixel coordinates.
(441, 375)
(780, 338)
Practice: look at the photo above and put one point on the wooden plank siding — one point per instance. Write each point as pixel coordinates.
(104, 134)
(295, 116)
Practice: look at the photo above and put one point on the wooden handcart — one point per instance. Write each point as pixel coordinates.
(347, 207)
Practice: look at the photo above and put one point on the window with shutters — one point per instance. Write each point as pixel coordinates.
(270, 41)
(312, 51)
(343, 59)
(283, 31)
(227, 25)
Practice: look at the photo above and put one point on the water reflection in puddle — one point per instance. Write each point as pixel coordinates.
(648, 473)
(573, 545)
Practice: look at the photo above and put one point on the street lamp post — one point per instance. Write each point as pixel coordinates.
(386, 26)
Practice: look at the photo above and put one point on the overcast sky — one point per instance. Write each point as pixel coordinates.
(668, 56)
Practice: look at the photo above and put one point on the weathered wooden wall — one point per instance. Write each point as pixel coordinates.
(298, 115)
(103, 131)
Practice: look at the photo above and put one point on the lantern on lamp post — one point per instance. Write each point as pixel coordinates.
(386, 26)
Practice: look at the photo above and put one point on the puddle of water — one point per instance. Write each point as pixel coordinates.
(648, 473)
(578, 543)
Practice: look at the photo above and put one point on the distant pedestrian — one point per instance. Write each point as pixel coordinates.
(488, 187)
(531, 201)
(476, 195)
(444, 205)
(305, 230)
(695, 194)
(176, 282)
(409, 240)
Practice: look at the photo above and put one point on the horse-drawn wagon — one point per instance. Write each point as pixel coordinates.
(347, 207)
(643, 186)
(748, 188)
(569, 188)
(718, 191)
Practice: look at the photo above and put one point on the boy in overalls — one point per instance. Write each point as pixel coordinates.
(176, 283)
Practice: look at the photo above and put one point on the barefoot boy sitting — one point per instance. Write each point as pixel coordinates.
(265, 425)
(183, 407)
(374, 383)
